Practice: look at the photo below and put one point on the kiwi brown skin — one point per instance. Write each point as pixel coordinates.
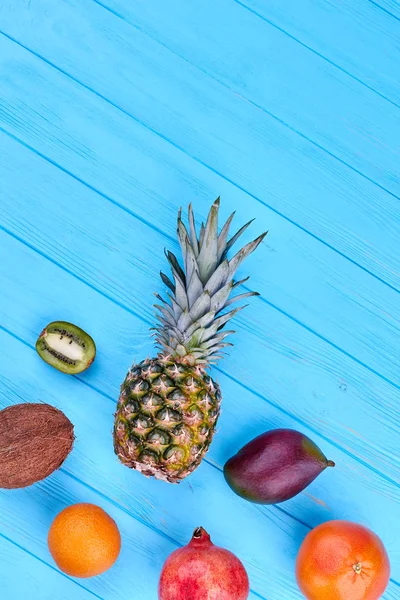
(66, 347)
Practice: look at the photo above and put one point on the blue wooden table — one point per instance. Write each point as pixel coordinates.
(113, 113)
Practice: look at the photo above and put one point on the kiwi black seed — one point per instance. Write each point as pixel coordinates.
(66, 347)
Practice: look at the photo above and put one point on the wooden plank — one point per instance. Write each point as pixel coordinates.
(233, 137)
(141, 507)
(300, 365)
(276, 74)
(391, 7)
(27, 515)
(337, 493)
(100, 243)
(356, 332)
(368, 49)
(25, 576)
(317, 288)
(270, 70)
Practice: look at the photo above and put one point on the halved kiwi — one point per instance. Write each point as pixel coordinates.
(66, 347)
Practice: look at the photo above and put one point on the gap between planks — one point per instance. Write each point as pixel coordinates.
(277, 308)
(385, 10)
(131, 213)
(304, 45)
(275, 26)
(258, 106)
(201, 162)
(121, 507)
(147, 322)
(33, 555)
(116, 505)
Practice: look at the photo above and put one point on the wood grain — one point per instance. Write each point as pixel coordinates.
(143, 506)
(33, 573)
(151, 504)
(356, 37)
(252, 149)
(390, 7)
(107, 373)
(129, 338)
(84, 153)
(269, 334)
(273, 71)
(112, 115)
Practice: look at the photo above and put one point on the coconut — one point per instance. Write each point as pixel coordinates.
(35, 439)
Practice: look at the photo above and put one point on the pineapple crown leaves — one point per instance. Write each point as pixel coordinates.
(191, 320)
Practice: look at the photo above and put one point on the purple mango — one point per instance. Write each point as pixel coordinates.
(275, 466)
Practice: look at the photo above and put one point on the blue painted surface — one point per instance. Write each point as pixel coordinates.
(112, 115)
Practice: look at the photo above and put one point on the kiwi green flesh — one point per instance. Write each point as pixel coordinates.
(66, 347)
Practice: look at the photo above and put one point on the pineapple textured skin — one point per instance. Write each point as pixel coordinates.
(166, 418)
(169, 406)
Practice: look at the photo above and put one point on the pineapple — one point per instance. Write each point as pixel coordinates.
(169, 406)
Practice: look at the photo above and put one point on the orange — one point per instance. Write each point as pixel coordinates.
(84, 540)
(340, 560)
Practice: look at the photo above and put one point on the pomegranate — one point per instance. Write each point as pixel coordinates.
(202, 571)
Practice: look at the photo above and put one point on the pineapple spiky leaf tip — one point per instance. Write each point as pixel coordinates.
(190, 322)
(169, 406)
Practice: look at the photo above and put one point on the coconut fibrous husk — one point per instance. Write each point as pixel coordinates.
(35, 439)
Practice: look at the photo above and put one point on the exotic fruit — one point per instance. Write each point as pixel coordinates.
(275, 466)
(169, 406)
(340, 560)
(66, 347)
(35, 439)
(202, 571)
